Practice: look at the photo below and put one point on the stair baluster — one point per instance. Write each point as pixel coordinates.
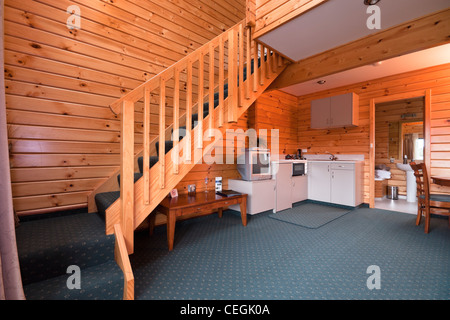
(162, 135)
(211, 86)
(146, 167)
(244, 70)
(221, 78)
(176, 117)
(127, 173)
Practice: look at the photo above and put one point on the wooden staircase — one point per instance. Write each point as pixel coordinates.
(208, 89)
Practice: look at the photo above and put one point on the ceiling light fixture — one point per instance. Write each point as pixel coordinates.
(321, 82)
(371, 2)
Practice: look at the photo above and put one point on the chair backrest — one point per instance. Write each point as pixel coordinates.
(423, 187)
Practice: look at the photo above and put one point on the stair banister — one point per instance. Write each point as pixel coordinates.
(139, 198)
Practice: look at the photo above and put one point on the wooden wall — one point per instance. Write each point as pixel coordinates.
(64, 140)
(223, 169)
(273, 110)
(355, 140)
(276, 110)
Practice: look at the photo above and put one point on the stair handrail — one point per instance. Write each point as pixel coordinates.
(138, 93)
(127, 109)
(242, 51)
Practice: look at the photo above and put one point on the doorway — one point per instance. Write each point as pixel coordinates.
(399, 139)
(399, 127)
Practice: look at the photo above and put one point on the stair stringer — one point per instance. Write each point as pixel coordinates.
(157, 194)
(111, 183)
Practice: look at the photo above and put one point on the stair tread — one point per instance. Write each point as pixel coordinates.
(153, 161)
(105, 199)
(137, 176)
(99, 282)
(46, 247)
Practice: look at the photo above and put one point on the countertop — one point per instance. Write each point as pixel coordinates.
(289, 161)
(336, 161)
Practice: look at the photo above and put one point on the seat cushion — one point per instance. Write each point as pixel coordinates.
(438, 197)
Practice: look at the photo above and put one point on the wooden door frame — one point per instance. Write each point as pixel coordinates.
(426, 122)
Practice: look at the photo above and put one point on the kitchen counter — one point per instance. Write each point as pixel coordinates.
(335, 161)
(288, 160)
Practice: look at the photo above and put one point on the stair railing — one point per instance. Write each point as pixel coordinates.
(182, 86)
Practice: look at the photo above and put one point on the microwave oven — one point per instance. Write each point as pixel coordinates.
(255, 164)
(299, 168)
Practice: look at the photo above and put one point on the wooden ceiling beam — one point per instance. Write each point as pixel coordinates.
(419, 34)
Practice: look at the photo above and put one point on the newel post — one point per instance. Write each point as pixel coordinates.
(127, 174)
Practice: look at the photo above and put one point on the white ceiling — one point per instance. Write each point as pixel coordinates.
(337, 22)
(414, 61)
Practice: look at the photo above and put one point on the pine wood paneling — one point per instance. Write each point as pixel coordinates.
(356, 140)
(227, 171)
(63, 136)
(276, 110)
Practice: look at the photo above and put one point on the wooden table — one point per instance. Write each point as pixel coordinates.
(442, 181)
(202, 203)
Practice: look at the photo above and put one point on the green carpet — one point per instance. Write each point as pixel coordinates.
(219, 259)
(48, 246)
(310, 215)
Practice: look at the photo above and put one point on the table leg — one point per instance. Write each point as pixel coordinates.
(243, 206)
(220, 212)
(151, 223)
(171, 220)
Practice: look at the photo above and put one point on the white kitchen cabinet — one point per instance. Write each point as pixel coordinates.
(260, 194)
(336, 182)
(345, 189)
(334, 112)
(320, 113)
(319, 181)
(299, 190)
(282, 177)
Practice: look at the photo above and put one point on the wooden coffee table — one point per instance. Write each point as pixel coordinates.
(202, 203)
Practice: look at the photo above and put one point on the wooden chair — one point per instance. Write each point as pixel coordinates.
(428, 202)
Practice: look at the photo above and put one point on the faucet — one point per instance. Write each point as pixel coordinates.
(332, 156)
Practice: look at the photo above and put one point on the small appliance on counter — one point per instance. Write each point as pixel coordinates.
(297, 156)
